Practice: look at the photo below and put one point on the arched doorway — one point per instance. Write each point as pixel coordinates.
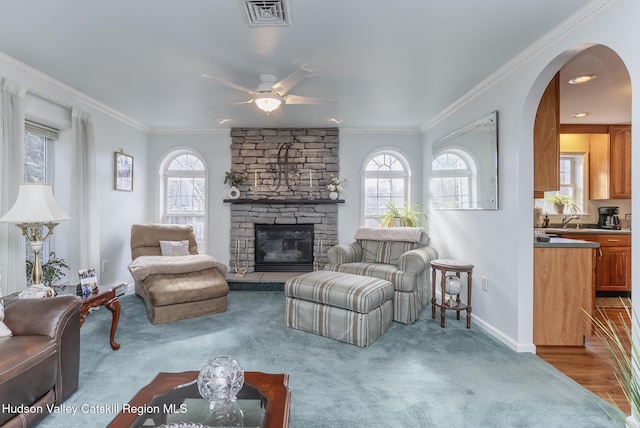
(591, 111)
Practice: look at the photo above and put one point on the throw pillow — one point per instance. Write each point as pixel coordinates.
(4, 330)
(174, 248)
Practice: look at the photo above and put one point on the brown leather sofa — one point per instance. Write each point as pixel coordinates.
(39, 364)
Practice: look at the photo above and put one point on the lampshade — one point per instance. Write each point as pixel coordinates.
(268, 102)
(35, 204)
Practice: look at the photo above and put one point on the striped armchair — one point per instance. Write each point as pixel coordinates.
(400, 255)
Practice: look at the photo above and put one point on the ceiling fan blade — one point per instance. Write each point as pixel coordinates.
(297, 99)
(229, 84)
(233, 104)
(283, 86)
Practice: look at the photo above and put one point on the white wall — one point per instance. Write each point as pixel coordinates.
(118, 209)
(216, 151)
(499, 243)
(355, 147)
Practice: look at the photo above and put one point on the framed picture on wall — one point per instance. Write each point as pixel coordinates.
(123, 172)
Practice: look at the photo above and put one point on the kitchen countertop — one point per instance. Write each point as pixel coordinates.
(583, 231)
(565, 243)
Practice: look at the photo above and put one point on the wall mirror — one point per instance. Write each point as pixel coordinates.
(464, 167)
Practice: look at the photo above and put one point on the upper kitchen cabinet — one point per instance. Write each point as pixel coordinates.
(610, 164)
(546, 140)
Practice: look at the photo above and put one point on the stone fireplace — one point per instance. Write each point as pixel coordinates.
(287, 172)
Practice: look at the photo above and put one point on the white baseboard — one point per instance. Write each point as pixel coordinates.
(516, 346)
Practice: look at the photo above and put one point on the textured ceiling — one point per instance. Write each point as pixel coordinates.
(388, 64)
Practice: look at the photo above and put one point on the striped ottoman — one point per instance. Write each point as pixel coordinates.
(351, 308)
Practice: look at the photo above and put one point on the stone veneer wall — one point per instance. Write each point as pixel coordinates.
(312, 149)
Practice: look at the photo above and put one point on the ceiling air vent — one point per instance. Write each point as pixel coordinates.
(265, 13)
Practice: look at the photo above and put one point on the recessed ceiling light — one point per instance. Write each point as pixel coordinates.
(579, 115)
(584, 78)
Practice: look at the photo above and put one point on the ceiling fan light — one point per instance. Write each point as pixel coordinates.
(268, 103)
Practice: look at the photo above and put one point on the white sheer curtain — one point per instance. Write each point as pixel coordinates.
(85, 229)
(12, 245)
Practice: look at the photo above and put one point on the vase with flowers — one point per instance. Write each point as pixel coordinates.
(335, 186)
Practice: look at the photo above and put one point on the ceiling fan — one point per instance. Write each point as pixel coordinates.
(270, 93)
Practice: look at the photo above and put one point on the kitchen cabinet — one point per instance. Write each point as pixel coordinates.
(546, 140)
(563, 285)
(620, 162)
(613, 260)
(610, 164)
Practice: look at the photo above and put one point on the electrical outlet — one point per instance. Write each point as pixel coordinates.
(105, 266)
(485, 283)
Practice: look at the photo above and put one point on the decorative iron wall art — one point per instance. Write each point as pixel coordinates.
(283, 172)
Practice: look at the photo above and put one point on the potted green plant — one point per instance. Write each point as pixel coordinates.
(616, 335)
(233, 179)
(51, 270)
(560, 200)
(401, 216)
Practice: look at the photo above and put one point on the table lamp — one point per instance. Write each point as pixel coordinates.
(34, 209)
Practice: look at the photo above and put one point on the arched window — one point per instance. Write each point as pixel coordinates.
(386, 178)
(453, 180)
(183, 192)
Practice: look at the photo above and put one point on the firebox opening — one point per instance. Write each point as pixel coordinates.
(284, 248)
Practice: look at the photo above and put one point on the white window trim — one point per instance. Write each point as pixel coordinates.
(165, 161)
(406, 174)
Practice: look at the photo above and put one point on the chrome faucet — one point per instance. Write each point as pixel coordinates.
(567, 219)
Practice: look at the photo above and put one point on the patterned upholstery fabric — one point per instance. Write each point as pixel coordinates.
(387, 252)
(350, 308)
(351, 292)
(409, 272)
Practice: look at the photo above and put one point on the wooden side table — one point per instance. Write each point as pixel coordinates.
(104, 296)
(456, 266)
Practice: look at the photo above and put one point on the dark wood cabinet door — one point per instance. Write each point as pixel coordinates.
(620, 162)
(613, 269)
(546, 140)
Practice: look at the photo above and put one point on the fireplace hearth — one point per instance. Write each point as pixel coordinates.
(283, 247)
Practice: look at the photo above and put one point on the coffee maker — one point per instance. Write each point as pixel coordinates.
(608, 218)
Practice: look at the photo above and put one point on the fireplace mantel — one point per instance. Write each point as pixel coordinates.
(283, 201)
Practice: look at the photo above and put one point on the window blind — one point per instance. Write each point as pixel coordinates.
(38, 128)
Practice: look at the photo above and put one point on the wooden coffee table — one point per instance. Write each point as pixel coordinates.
(171, 398)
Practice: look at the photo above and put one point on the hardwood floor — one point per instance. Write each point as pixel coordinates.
(590, 366)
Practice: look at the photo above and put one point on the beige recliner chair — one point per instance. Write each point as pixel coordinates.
(175, 281)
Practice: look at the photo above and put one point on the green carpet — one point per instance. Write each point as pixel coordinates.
(416, 375)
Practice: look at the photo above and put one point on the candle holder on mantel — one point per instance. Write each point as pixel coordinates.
(240, 265)
(318, 265)
(253, 194)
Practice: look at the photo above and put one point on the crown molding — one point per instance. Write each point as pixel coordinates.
(189, 131)
(30, 72)
(378, 131)
(576, 20)
(343, 131)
